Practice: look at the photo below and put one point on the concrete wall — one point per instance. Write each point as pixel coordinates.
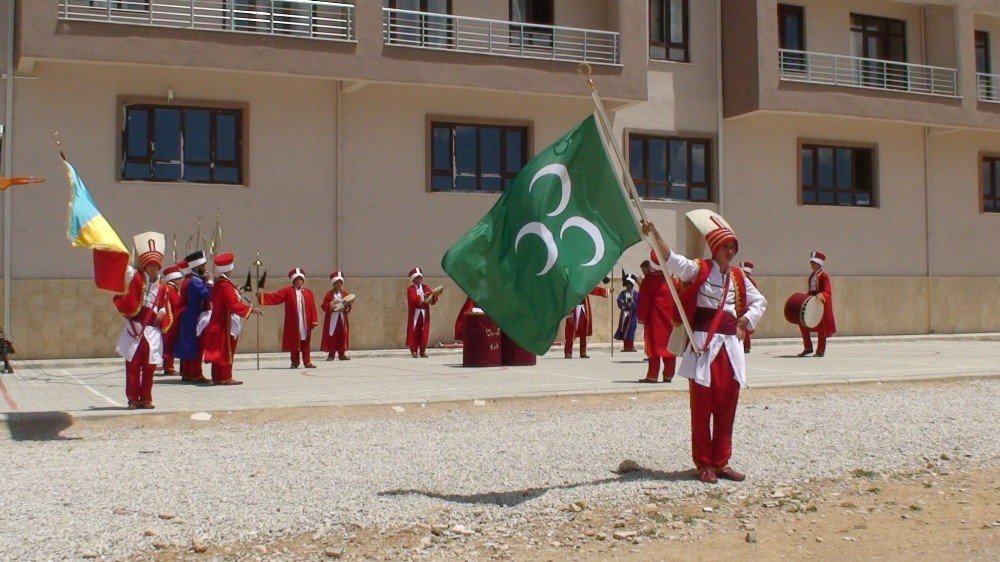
(761, 164)
(390, 219)
(89, 324)
(287, 210)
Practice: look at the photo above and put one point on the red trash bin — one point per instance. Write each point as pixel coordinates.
(513, 355)
(481, 341)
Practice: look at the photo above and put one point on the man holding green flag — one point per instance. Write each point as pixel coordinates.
(550, 239)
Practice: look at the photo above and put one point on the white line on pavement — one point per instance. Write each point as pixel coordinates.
(90, 388)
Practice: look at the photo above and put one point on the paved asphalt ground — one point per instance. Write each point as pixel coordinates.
(89, 387)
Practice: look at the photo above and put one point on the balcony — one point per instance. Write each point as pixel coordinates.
(989, 87)
(311, 19)
(871, 74)
(424, 30)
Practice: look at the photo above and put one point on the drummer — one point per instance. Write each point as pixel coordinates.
(822, 288)
(470, 307)
(722, 307)
(336, 327)
(419, 298)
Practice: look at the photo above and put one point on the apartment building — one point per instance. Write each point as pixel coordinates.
(368, 136)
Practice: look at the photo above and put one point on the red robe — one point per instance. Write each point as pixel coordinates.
(413, 339)
(657, 312)
(326, 343)
(220, 345)
(170, 334)
(584, 326)
(824, 287)
(290, 340)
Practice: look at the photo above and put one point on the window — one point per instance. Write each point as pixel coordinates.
(668, 30)
(792, 37)
(167, 143)
(882, 39)
(670, 167)
(539, 12)
(982, 52)
(471, 157)
(134, 5)
(424, 29)
(991, 184)
(837, 175)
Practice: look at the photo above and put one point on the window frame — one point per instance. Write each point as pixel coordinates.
(816, 144)
(800, 12)
(642, 184)
(666, 44)
(213, 106)
(527, 149)
(994, 159)
(883, 38)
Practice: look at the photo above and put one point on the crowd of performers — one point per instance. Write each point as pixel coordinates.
(188, 314)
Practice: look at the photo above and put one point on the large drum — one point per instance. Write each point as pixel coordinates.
(804, 310)
(481, 341)
(513, 355)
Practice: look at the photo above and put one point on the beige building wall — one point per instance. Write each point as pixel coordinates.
(286, 211)
(777, 233)
(391, 221)
(963, 239)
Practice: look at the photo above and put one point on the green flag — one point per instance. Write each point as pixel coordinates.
(550, 239)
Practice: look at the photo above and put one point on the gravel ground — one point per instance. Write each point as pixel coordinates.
(115, 491)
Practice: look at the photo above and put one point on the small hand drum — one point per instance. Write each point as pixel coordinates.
(340, 306)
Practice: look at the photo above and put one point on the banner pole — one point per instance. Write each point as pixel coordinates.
(631, 192)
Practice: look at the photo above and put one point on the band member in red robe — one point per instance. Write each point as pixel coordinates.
(300, 316)
(722, 306)
(419, 298)
(821, 287)
(656, 312)
(747, 268)
(171, 277)
(229, 310)
(147, 311)
(580, 323)
(336, 338)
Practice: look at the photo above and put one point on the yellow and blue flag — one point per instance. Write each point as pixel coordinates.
(89, 229)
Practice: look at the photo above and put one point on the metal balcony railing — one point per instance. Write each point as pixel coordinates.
(873, 74)
(300, 18)
(425, 30)
(989, 87)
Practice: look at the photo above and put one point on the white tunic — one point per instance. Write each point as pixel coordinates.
(698, 367)
(335, 316)
(301, 308)
(129, 338)
(419, 312)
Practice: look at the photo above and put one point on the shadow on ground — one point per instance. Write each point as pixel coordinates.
(39, 426)
(517, 497)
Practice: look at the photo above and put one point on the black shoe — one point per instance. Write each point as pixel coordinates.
(805, 352)
(294, 366)
(820, 353)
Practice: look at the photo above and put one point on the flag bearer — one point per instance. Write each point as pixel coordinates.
(226, 323)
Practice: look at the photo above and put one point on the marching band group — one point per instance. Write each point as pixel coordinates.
(196, 317)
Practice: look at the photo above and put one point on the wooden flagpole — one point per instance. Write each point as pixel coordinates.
(631, 192)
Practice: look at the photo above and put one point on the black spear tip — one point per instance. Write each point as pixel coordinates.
(262, 281)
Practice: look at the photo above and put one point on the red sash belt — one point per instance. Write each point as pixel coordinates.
(145, 316)
(703, 318)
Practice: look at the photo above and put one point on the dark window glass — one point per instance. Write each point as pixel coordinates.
(837, 175)
(991, 184)
(426, 28)
(134, 5)
(670, 167)
(983, 52)
(791, 27)
(469, 157)
(182, 144)
(669, 30)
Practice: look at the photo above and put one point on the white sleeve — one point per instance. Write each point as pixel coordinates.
(681, 267)
(756, 304)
